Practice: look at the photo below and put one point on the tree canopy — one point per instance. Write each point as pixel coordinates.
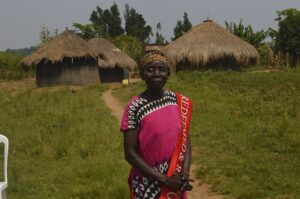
(288, 37)
(182, 26)
(103, 23)
(113, 21)
(89, 31)
(108, 23)
(135, 24)
(159, 38)
(257, 39)
(45, 35)
(246, 33)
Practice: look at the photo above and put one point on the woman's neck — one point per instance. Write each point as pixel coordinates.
(152, 95)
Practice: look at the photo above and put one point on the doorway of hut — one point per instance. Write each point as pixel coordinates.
(110, 75)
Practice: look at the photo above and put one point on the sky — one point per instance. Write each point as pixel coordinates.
(22, 20)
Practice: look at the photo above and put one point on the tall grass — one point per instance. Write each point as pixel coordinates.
(245, 130)
(63, 144)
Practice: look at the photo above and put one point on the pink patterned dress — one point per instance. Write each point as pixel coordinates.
(158, 124)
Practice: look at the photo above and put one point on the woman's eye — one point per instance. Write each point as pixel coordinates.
(150, 69)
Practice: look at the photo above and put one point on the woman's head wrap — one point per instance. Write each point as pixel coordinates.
(153, 55)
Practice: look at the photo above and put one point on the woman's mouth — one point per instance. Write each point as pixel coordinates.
(157, 82)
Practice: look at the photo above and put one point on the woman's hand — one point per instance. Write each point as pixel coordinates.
(179, 182)
(174, 182)
(186, 186)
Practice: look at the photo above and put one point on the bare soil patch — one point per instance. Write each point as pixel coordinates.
(268, 70)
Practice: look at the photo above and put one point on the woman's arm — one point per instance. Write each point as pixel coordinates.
(188, 159)
(186, 167)
(131, 142)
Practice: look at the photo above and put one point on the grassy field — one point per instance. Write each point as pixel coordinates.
(245, 134)
(245, 130)
(63, 144)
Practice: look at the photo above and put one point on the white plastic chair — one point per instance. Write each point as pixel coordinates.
(3, 185)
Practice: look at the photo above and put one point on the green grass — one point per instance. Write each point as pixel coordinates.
(245, 134)
(63, 144)
(245, 130)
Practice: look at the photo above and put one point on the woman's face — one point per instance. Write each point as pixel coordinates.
(155, 74)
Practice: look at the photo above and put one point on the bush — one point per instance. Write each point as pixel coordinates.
(10, 60)
(130, 45)
(10, 68)
(263, 53)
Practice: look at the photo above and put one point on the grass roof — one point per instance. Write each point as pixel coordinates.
(208, 42)
(65, 45)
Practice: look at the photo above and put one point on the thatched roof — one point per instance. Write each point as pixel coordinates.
(65, 45)
(111, 55)
(208, 42)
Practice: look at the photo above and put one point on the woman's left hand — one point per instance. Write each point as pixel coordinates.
(186, 186)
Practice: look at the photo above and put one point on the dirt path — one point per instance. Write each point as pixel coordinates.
(200, 191)
(268, 70)
(113, 103)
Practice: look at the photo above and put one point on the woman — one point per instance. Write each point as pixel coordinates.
(152, 128)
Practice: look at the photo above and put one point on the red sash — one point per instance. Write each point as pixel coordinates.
(177, 160)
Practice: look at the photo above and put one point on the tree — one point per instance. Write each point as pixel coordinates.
(45, 35)
(96, 28)
(108, 23)
(135, 24)
(97, 20)
(178, 30)
(115, 22)
(246, 33)
(97, 16)
(256, 39)
(104, 23)
(89, 31)
(187, 25)
(160, 39)
(182, 26)
(287, 39)
(273, 34)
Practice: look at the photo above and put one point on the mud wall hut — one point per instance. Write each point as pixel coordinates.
(208, 45)
(64, 60)
(113, 63)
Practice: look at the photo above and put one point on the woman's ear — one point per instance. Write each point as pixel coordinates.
(142, 75)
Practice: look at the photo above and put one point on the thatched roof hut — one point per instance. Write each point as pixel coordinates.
(113, 62)
(208, 45)
(65, 59)
(65, 45)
